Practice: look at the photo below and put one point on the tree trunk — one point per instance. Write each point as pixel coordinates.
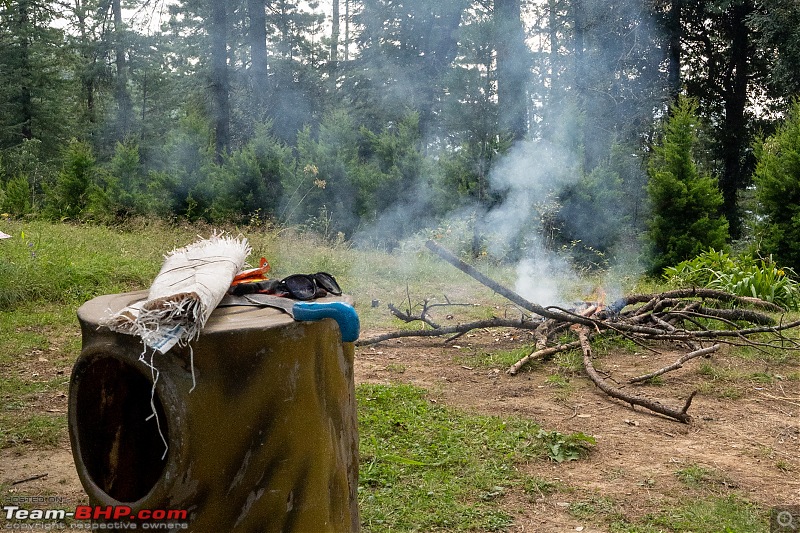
(346, 31)
(734, 138)
(123, 97)
(551, 110)
(334, 40)
(258, 54)
(219, 78)
(512, 68)
(581, 83)
(554, 54)
(25, 99)
(87, 81)
(674, 32)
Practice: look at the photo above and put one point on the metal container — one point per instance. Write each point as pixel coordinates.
(265, 441)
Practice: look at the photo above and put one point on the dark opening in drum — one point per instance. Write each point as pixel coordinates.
(119, 439)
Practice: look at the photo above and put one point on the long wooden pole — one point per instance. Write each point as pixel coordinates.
(503, 291)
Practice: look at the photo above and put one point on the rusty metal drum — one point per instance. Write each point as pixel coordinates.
(250, 429)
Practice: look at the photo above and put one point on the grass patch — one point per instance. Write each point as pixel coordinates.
(37, 326)
(538, 487)
(726, 514)
(570, 361)
(697, 476)
(19, 423)
(731, 380)
(589, 508)
(729, 514)
(36, 429)
(561, 386)
(606, 344)
(425, 467)
(501, 358)
(38, 344)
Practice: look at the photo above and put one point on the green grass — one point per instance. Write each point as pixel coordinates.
(500, 358)
(697, 476)
(733, 379)
(727, 514)
(36, 429)
(570, 361)
(67, 264)
(426, 467)
(714, 514)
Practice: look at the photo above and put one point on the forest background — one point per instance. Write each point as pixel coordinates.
(644, 129)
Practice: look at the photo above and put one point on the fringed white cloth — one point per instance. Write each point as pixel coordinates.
(192, 282)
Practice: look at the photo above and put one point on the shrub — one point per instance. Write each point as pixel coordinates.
(17, 199)
(743, 276)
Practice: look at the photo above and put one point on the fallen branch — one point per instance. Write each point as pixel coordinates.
(449, 330)
(544, 352)
(676, 365)
(408, 317)
(697, 292)
(496, 287)
(656, 407)
(32, 478)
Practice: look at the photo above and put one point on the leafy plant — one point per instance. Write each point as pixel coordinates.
(17, 199)
(743, 276)
(562, 447)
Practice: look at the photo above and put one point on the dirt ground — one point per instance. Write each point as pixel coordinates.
(749, 445)
(745, 435)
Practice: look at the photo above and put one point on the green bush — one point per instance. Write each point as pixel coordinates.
(17, 199)
(247, 185)
(743, 276)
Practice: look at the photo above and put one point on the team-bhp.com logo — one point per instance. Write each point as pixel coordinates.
(100, 517)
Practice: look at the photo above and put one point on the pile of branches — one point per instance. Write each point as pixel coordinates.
(697, 318)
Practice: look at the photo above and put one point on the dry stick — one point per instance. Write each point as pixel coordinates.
(663, 323)
(714, 333)
(676, 365)
(449, 330)
(545, 352)
(499, 289)
(406, 317)
(781, 398)
(708, 293)
(32, 478)
(729, 315)
(680, 416)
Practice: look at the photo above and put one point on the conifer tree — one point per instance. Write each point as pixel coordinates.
(685, 199)
(777, 179)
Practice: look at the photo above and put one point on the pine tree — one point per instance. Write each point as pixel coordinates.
(777, 179)
(685, 200)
